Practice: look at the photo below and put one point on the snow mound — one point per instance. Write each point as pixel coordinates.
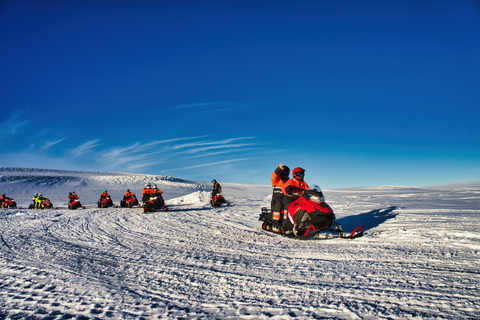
(199, 198)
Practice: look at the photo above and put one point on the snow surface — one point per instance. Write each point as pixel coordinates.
(419, 258)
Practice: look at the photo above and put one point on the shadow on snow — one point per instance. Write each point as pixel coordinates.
(368, 220)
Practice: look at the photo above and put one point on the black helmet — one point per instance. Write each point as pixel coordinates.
(286, 171)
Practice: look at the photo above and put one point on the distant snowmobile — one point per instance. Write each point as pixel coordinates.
(75, 204)
(217, 200)
(129, 202)
(154, 203)
(9, 203)
(46, 204)
(308, 217)
(105, 202)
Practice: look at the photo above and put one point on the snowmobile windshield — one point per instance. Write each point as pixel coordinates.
(315, 195)
(317, 199)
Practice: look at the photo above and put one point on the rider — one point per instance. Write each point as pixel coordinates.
(38, 200)
(293, 188)
(104, 194)
(3, 197)
(278, 177)
(34, 199)
(72, 197)
(157, 192)
(217, 188)
(128, 194)
(147, 192)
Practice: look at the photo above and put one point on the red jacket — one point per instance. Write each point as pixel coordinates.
(293, 186)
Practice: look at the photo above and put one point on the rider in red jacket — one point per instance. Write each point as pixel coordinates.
(293, 188)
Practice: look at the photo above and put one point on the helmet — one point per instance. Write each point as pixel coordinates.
(3, 194)
(148, 185)
(213, 181)
(104, 190)
(73, 192)
(298, 172)
(286, 171)
(36, 194)
(39, 194)
(155, 186)
(128, 190)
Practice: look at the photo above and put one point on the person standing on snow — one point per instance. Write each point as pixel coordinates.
(217, 188)
(293, 188)
(278, 177)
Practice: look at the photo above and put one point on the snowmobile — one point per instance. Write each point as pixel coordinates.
(46, 204)
(74, 204)
(308, 217)
(9, 203)
(129, 202)
(154, 203)
(105, 202)
(217, 200)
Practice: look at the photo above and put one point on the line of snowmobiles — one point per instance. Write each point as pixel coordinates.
(308, 217)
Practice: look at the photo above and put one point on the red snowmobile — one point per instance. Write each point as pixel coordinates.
(129, 202)
(217, 200)
(9, 203)
(308, 217)
(75, 204)
(154, 203)
(105, 202)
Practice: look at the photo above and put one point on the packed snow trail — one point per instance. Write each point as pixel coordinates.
(419, 258)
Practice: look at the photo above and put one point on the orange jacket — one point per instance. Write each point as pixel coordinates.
(148, 191)
(128, 195)
(276, 180)
(104, 194)
(294, 186)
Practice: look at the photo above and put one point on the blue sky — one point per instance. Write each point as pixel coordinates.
(367, 92)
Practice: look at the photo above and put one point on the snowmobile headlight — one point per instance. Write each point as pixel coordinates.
(317, 199)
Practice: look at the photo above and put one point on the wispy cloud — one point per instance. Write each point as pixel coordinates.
(202, 105)
(212, 163)
(49, 144)
(13, 125)
(84, 148)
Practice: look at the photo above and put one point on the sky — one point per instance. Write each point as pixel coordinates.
(358, 93)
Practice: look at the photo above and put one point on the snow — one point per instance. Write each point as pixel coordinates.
(419, 257)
